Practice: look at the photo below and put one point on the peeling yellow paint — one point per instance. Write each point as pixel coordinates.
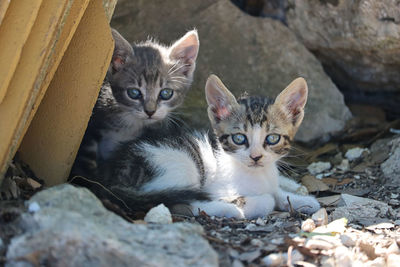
(55, 83)
(53, 137)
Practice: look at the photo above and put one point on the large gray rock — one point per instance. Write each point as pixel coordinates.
(257, 55)
(357, 41)
(391, 167)
(72, 228)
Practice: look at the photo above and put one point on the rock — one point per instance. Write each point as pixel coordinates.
(390, 167)
(73, 225)
(348, 200)
(250, 226)
(159, 214)
(257, 55)
(260, 221)
(344, 165)
(358, 42)
(393, 260)
(348, 240)
(343, 257)
(318, 167)
(279, 259)
(320, 217)
(366, 214)
(355, 153)
(308, 225)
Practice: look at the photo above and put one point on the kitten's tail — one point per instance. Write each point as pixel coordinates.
(131, 200)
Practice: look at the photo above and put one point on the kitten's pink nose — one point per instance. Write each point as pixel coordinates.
(257, 158)
(150, 112)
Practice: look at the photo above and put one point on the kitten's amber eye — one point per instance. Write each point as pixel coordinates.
(166, 94)
(134, 93)
(239, 139)
(272, 139)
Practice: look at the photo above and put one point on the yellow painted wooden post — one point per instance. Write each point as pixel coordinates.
(55, 82)
(53, 137)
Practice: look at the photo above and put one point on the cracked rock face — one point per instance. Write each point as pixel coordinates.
(357, 41)
(259, 56)
(72, 228)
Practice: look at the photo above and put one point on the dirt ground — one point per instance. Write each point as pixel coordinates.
(358, 225)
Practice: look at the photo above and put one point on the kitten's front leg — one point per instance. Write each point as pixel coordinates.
(289, 185)
(257, 206)
(306, 204)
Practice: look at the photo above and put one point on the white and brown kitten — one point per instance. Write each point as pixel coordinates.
(144, 83)
(232, 172)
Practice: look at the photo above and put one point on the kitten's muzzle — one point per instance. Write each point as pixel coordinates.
(150, 112)
(257, 158)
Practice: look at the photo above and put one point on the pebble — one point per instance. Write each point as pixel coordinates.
(355, 153)
(308, 225)
(250, 226)
(260, 221)
(256, 242)
(397, 222)
(34, 207)
(319, 244)
(279, 259)
(320, 217)
(237, 263)
(393, 260)
(159, 214)
(344, 165)
(347, 240)
(343, 256)
(318, 167)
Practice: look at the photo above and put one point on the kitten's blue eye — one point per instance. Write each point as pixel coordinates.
(134, 93)
(272, 139)
(239, 139)
(166, 94)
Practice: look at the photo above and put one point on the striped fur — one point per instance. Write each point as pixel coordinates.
(209, 171)
(148, 67)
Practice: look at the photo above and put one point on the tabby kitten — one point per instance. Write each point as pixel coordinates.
(144, 83)
(232, 173)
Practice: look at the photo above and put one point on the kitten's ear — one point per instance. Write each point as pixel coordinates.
(293, 99)
(220, 101)
(186, 50)
(122, 51)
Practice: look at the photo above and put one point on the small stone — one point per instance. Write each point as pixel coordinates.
(260, 221)
(237, 263)
(393, 260)
(319, 244)
(347, 240)
(256, 242)
(320, 217)
(33, 207)
(392, 195)
(159, 214)
(337, 226)
(378, 262)
(279, 259)
(226, 229)
(318, 167)
(343, 256)
(308, 225)
(355, 153)
(397, 222)
(250, 226)
(393, 249)
(344, 165)
(357, 177)
(319, 176)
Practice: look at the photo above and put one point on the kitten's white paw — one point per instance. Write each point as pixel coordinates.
(258, 206)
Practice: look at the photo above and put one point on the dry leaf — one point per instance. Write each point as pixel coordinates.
(329, 201)
(313, 184)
